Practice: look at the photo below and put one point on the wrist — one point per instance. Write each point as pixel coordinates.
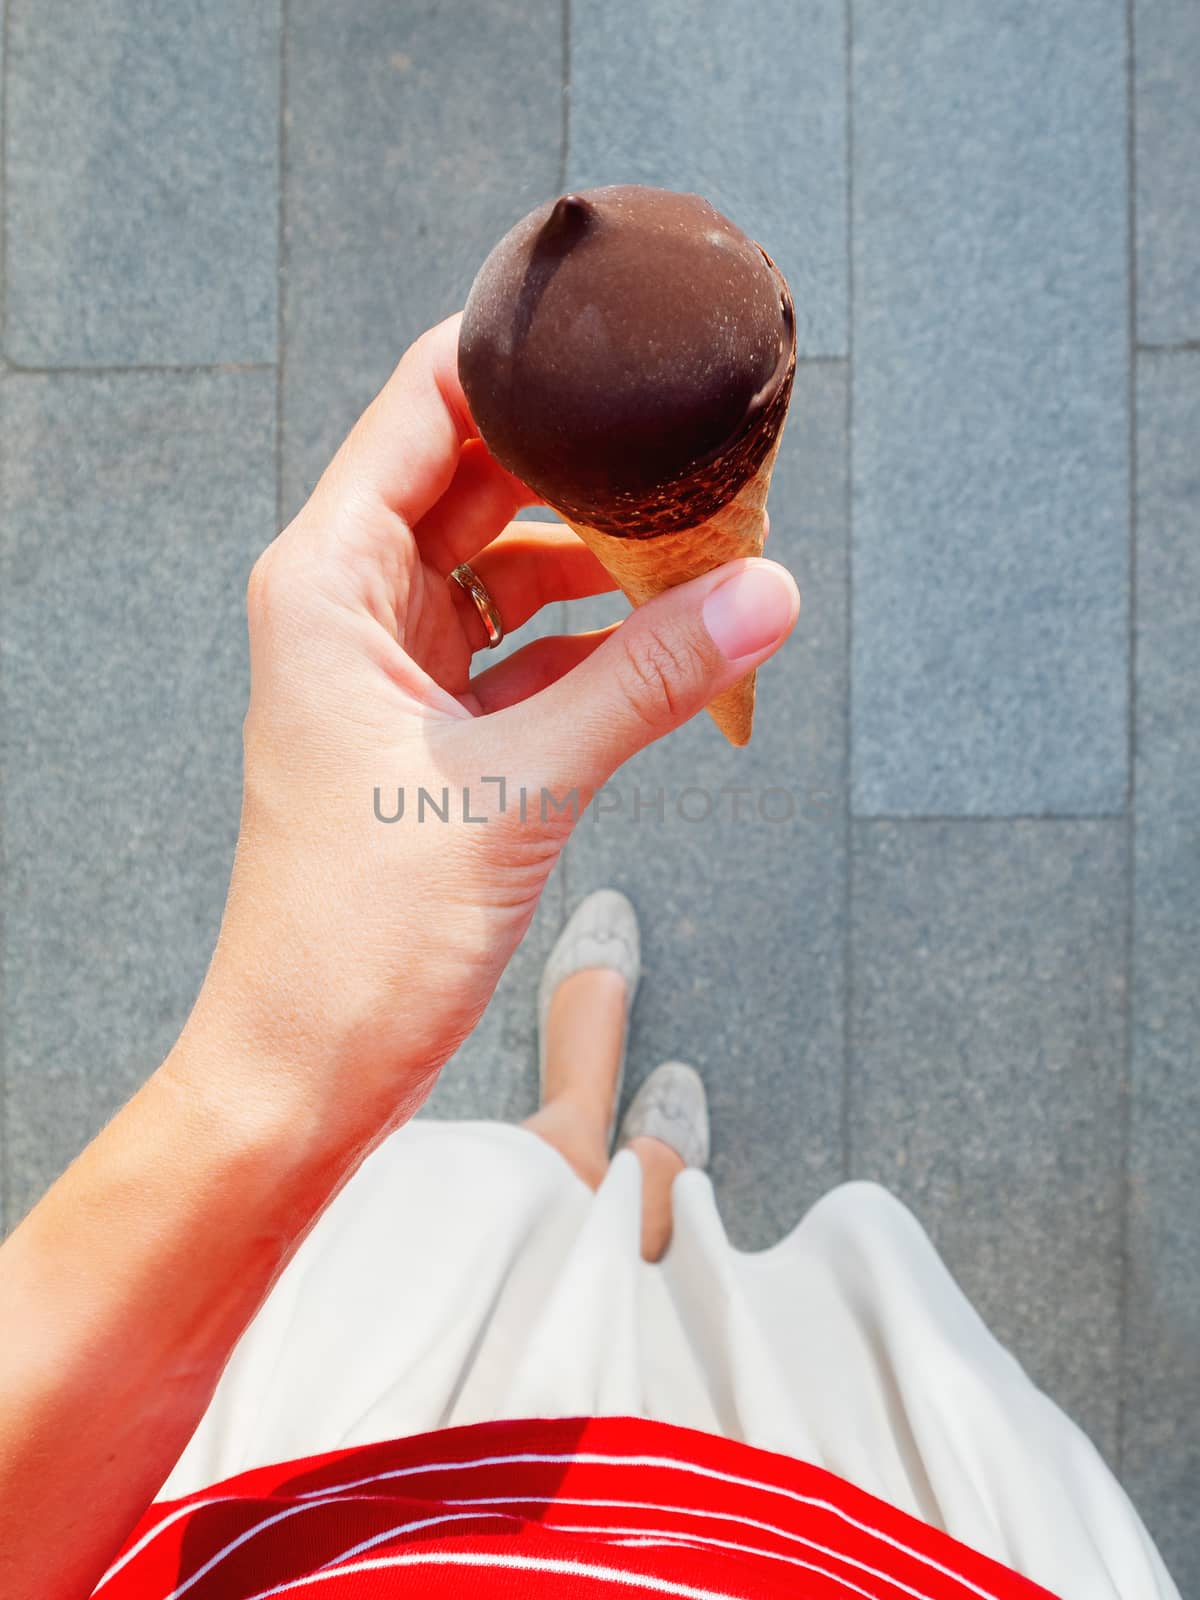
(282, 1083)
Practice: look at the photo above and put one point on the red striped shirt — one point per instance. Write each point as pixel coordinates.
(607, 1508)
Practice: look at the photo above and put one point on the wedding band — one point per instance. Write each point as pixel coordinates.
(467, 578)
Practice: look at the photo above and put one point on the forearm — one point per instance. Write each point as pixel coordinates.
(124, 1290)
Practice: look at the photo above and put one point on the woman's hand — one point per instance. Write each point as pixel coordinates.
(356, 953)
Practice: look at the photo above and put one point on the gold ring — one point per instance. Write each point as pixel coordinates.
(467, 578)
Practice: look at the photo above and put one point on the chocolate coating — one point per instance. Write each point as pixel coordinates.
(628, 352)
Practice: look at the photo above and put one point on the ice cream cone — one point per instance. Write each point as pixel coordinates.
(645, 567)
(629, 354)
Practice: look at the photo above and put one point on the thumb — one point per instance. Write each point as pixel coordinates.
(663, 664)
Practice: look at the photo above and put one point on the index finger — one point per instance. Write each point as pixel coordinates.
(404, 448)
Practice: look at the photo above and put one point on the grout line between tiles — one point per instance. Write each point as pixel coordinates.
(180, 369)
(847, 712)
(1130, 869)
(933, 817)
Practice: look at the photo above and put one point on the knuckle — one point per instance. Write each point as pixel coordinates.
(277, 589)
(259, 588)
(249, 737)
(661, 670)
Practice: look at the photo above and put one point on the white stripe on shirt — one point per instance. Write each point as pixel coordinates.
(669, 1463)
(446, 1558)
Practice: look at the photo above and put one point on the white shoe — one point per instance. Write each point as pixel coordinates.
(672, 1106)
(602, 931)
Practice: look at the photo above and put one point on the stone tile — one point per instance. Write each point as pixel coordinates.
(416, 137)
(990, 449)
(143, 182)
(1162, 1377)
(742, 916)
(987, 1040)
(134, 507)
(746, 105)
(1167, 47)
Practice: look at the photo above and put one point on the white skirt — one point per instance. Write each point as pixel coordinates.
(464, 1273)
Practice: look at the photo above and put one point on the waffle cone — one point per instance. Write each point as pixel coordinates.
(645, 567)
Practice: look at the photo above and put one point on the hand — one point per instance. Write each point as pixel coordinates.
(356, 954)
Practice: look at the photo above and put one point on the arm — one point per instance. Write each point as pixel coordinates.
(354, 956)
(124, 1290)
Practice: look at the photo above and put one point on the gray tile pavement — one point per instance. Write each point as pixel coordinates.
(721, 99)
(990, 403)
(987, 1036)
(415, 137)
(1167, 38)
(1162, 1379)
(939, 1000)
(143, 183)
(134, 505)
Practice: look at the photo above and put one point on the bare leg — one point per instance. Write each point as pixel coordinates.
(660, 1167)
(583, 1054)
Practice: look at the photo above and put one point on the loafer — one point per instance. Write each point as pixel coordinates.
(672, 1106)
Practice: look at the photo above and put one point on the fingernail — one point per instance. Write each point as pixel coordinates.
(750, 610)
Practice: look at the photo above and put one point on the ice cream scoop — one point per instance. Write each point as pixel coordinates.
(628, 352)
